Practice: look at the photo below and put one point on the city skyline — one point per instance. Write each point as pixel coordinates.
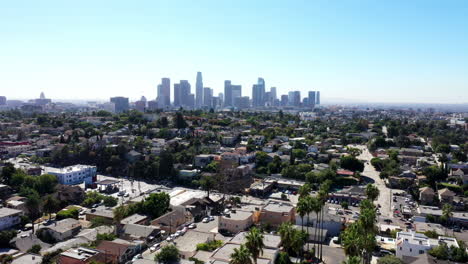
(367, 51)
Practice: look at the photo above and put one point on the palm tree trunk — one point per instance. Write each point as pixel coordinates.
(321, 230)
(315, 234)
(308, 235)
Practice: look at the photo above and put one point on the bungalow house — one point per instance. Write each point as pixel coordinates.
(446, 196)
(426, 195)
(117, 251)
(62, 230)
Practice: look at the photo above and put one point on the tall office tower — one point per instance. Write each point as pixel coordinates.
(318, 98)
(258, 93)
(199, 90)
(207, 97)
(2, 100)
(227, 93)
(220, 99)
(185, 93)
(268, 98)
(294, 98)
(236, 91)
(121, 104)
(273, 94)
(141, 105)
(190, 101)
(311, 99)
(177, 95)
(284, 100)
(164, 93)
(42, 96)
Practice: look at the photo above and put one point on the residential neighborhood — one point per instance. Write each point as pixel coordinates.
(193, 186)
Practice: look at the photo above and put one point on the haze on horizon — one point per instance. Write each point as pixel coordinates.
(364, 51)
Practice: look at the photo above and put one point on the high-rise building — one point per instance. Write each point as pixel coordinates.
(152, 105)
(227, 93)
(317, 102)
(164, 93)
(3, 100)
(185, 91)
(231, 92)
(284, 100)
(199, 90)
(220, 99)
(177, 95)
(258, 93)
(294, 98)
(273, 96)
(207, 97)
(121, 104)
(311, 99)
(242, 102)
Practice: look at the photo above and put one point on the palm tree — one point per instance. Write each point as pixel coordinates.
(254, 243)
(286, 231)
(447, 212)
(322, 196)
(119, 214)
(350, 240)
(315, 206)
(304, 190)
(372, 192)
(352, 260)
(283, 258)
(240, 255)
(302, 209)
(207, 183)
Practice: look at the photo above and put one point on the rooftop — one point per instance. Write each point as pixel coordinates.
(4, 212)
(278, 207)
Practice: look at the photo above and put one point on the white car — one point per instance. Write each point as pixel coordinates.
(211, 218)
(205, 220)
(192, 226)
(155, 247)
(169, 239)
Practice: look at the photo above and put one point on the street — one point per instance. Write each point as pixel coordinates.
(385, 197)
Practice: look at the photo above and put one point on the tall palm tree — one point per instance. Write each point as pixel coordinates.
(323, 193)
(304, 190)
(447, 211)
(119, 214)
(254, 243)
(309, 208)
(240, 255)
(302, 209)
(286, 231)
(315, 207)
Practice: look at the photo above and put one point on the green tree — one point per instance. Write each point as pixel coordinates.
(180, 121)
(50, 204)
(33, 203)
(447, 213)
(168, 254)
(372, 192)
(351, 163)
(241, 255)
(35, 249)
(254, 243)
(207, 183)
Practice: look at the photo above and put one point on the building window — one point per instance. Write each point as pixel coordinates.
(410, 250)
(421, 251)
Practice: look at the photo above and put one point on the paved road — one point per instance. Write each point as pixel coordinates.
(385, 197)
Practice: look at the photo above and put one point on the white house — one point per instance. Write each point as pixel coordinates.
(75, 174)
(9, 217)
(413, 244)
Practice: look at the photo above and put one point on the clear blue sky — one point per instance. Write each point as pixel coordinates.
(378, 51)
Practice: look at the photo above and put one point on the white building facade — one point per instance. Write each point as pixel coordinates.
(9, 218)
(75, 174)
(413, 244)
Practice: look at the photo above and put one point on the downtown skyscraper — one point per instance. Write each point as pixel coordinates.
(164, 93)
(199, 90)
(258, 93)
(231, 92)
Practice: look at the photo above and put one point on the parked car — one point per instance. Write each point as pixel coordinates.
(205, 220)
